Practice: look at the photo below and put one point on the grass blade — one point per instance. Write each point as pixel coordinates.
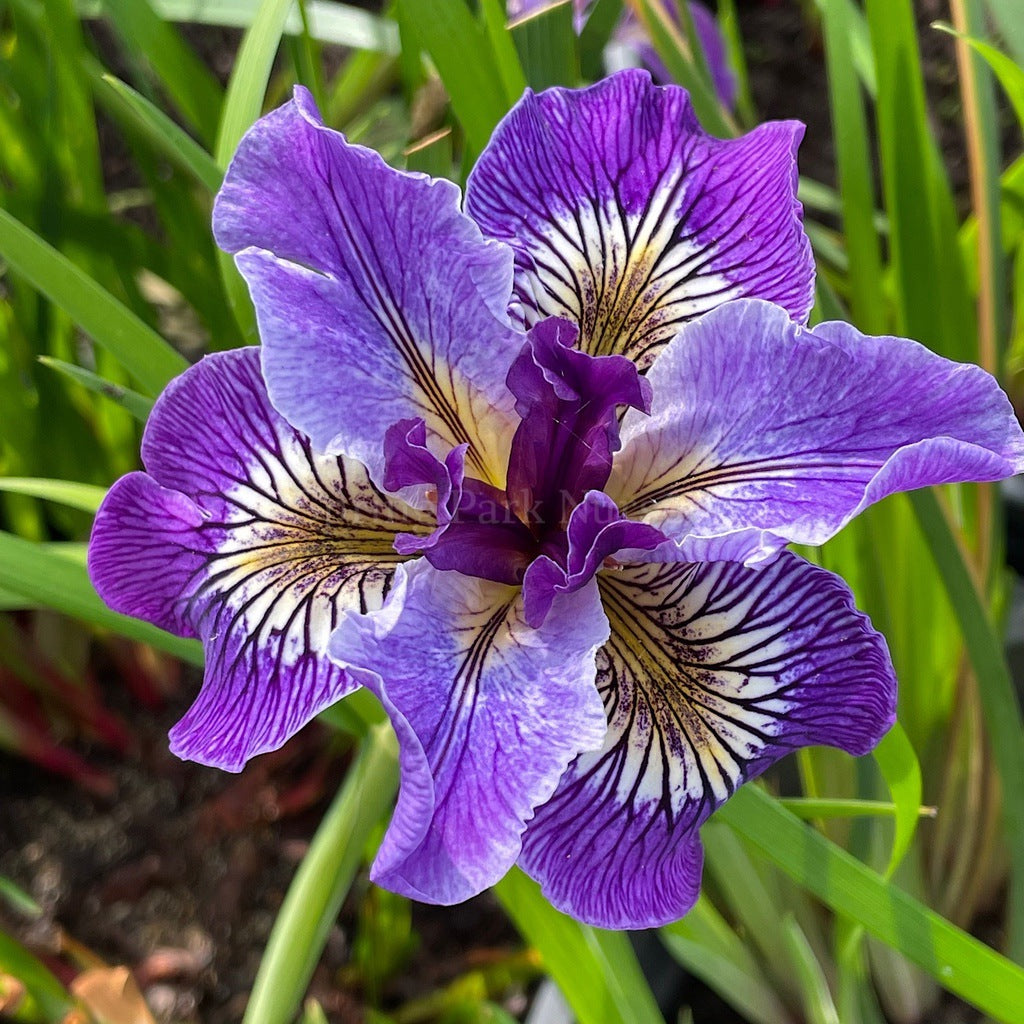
(41, 576)
(705, 944)
(139, 349)
(85, 497)
(323, 879)
(546, 41)
(243, 104)
(570, 955)
(898, 764)
(933, 303)
(817, 1000)
(1006, 14)
(812, 808)
(155, 126)
(750, 896)
(307, 57)
(853, 152)
(464, 58)
(622, 969)
(984, 153)
(602, 18)
(189, 83)
(958, 961)
(138, 405)
(511, 71)
(998, 699)
(329, 21)
(48, 995)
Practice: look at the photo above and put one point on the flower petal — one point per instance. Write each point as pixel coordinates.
(567, 402)
(146, 550)
(712, 672)
(410, 467)
(377, 299)
(240, 535)
(488, 714)
(476, 534)
(763, 432)
(629, 220)
(596, 531)
(632, 34)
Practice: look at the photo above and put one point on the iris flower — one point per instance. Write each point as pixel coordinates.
(527, 471)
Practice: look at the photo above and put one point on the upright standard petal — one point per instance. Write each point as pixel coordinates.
(763, 432)
(629, 220)
(488, 713)
(240, 535)
(712, 672)
(377, 299)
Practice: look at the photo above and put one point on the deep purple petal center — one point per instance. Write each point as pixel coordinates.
(568, 430)
(562, 451)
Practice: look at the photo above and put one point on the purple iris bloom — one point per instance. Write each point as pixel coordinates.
(630, 38)
(527, 471)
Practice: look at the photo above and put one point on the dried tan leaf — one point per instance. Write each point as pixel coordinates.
(111, 995)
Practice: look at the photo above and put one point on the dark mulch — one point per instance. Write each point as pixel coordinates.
(181, 872)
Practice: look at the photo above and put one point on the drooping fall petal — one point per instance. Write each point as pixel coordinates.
(488, 713)
(240, 535)
(712, 672)
(763, 432)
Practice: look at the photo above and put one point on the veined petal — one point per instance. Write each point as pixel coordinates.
(712, 672)
(410, 467)
(488, 714)
(240, 535)
(629, 220)
(763, 432)
(377, 299)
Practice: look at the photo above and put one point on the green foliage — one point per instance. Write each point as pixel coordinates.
(322, 881)
(596, 971)
(46, 997)
(110, 288)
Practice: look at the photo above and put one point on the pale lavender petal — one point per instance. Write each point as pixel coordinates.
(712, 672)
(629, 220)
(488, 713)
(567, 402)
(519, 9)
(240, 535)
(712, 42)
(376, 298)
(764, 433)
(632, 34)
(597, 531)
